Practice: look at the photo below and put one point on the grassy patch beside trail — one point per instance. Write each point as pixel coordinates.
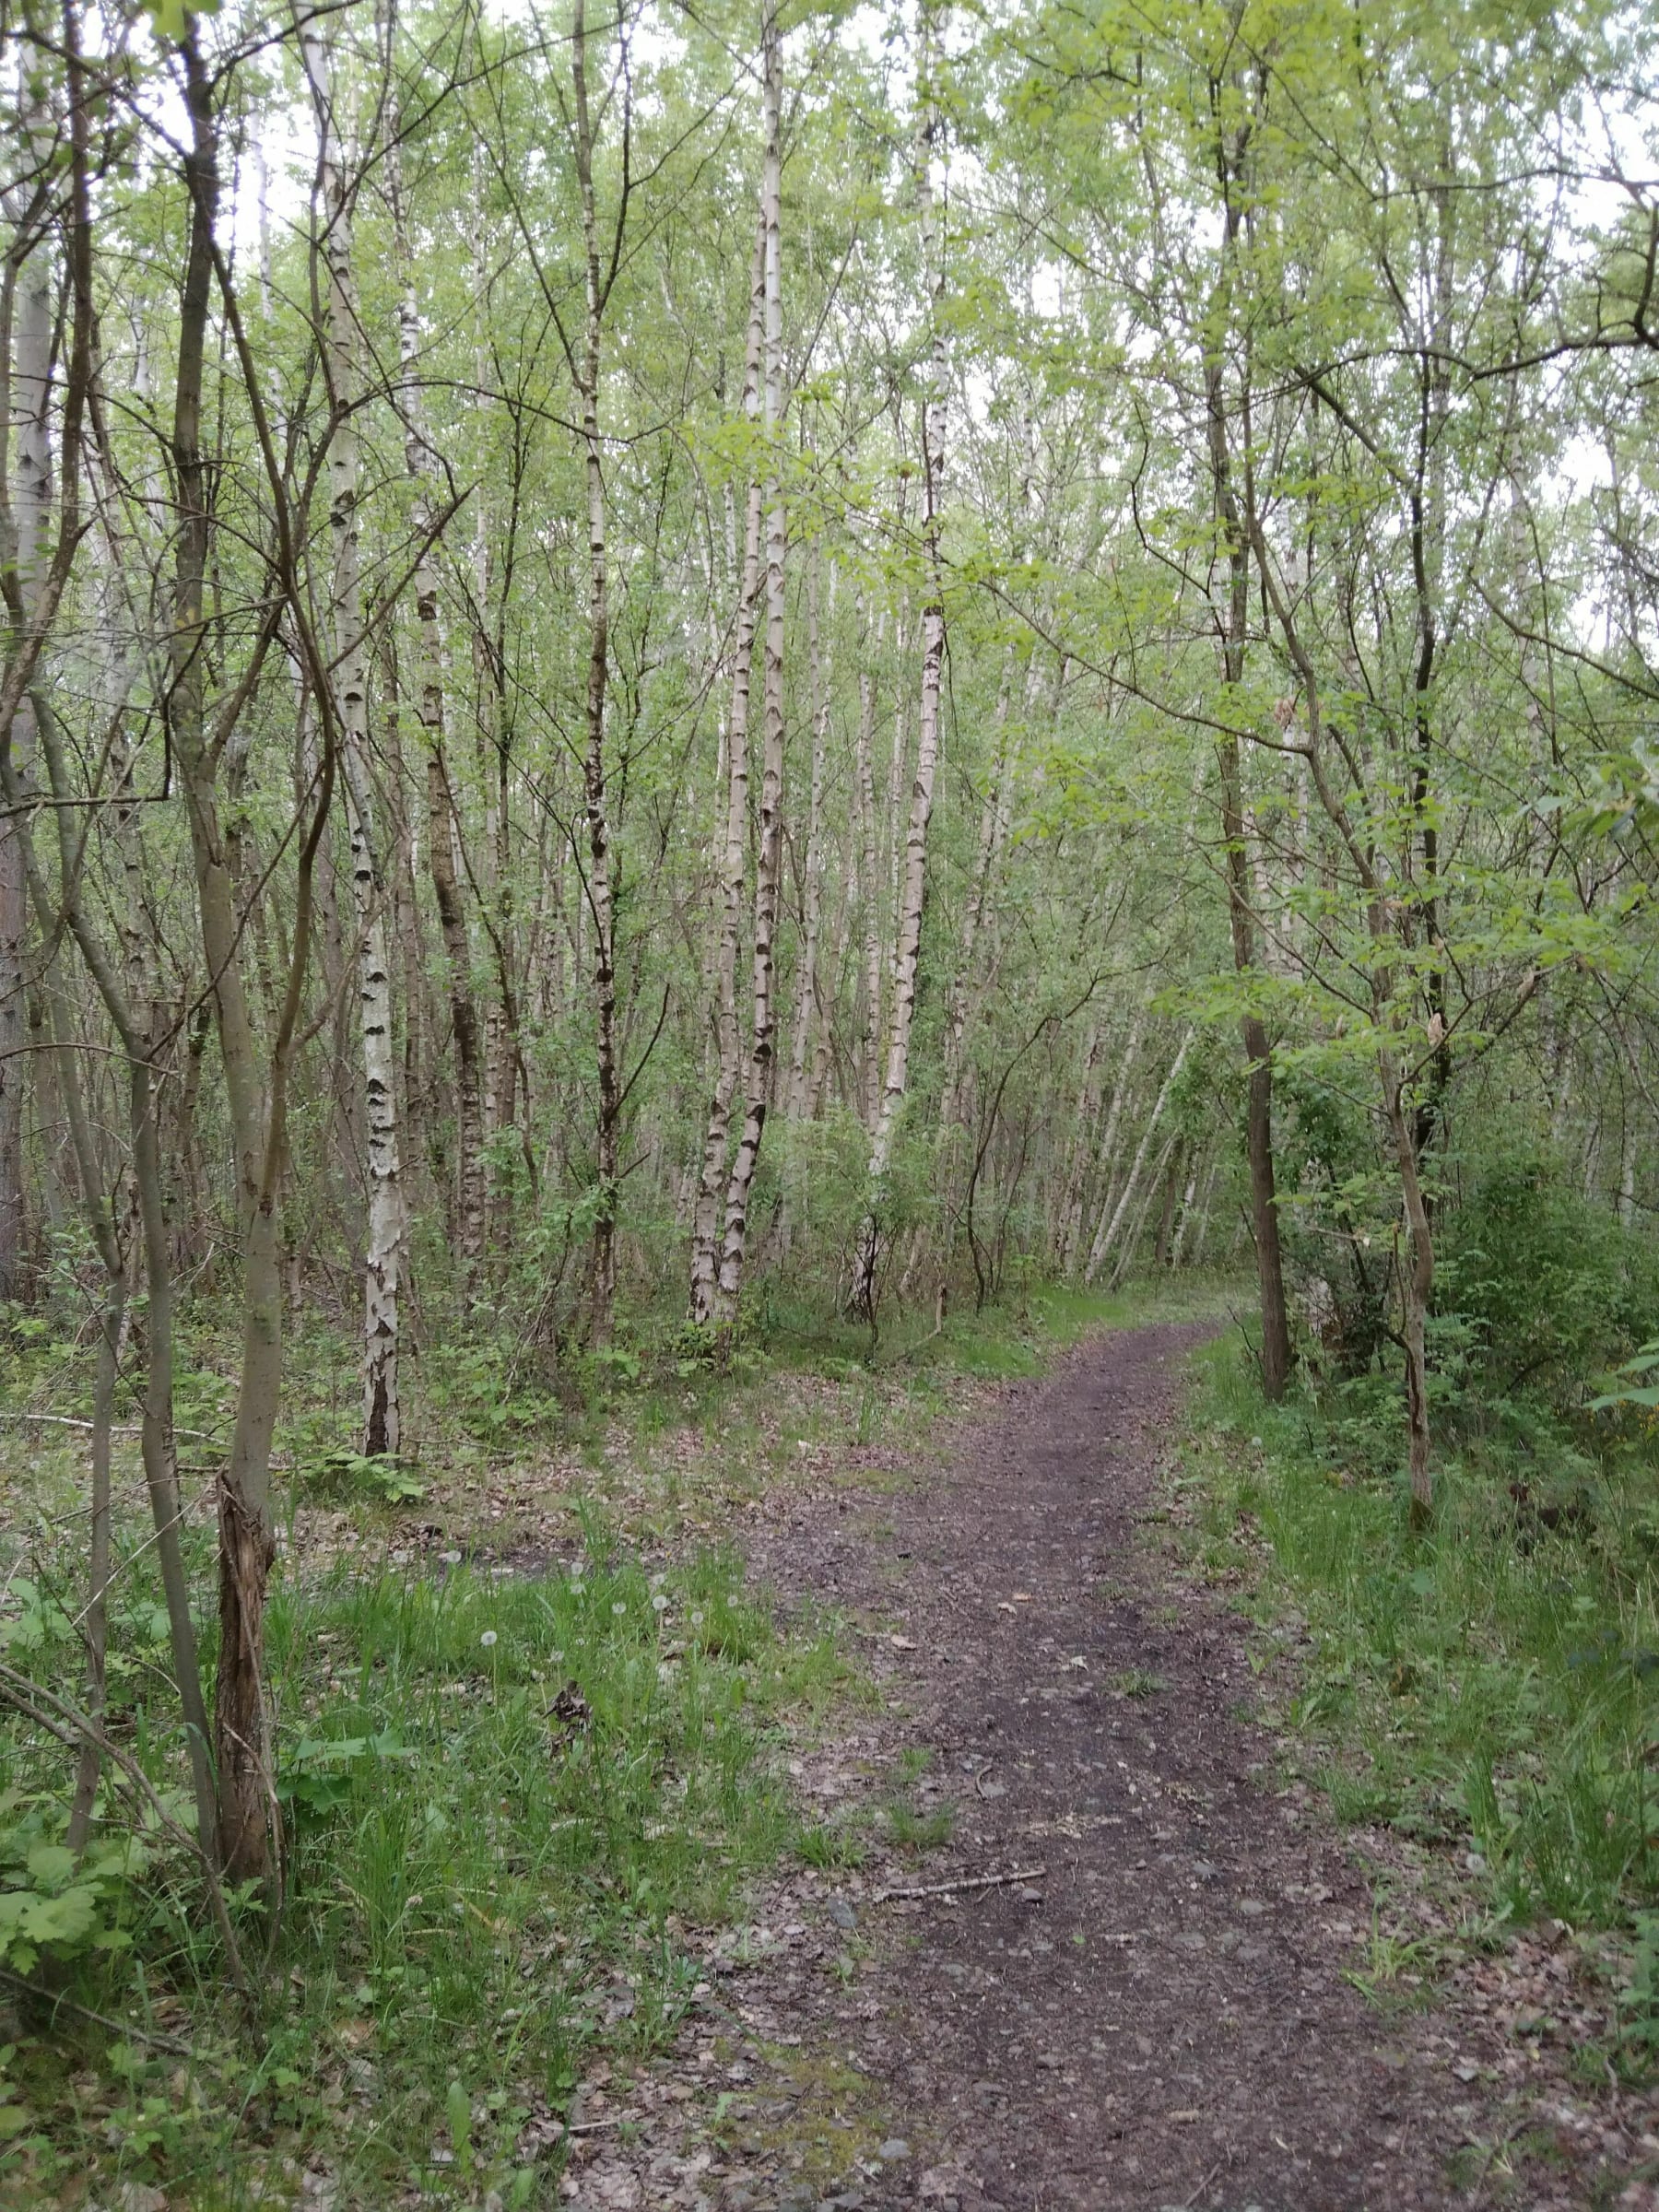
(518, 1811)
(1491, 1688)
(521, 1807)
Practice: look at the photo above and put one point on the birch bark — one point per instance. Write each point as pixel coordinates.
(468, 1198)
(30, 399)
(768, 859)
(387, 1225)
(706, 1216)
(600, 901)
(908, 944)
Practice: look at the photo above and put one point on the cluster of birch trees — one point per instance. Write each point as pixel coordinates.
(652, 653)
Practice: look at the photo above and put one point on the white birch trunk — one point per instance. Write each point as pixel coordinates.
(386, 1224)
(869, 909)
(907, 942)
(1110, 1225)
(812, 919)
(706, 1220)
(31, 369)
(769, 861)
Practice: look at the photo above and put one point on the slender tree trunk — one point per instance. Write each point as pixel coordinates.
(387, 1226)
(728, 1049)
(30, 399)
(600, 901)
(1112, 1223)
(908, 945)
(813, 898)
(1417, 1291)
(769, 861)
(62, 904)
(869, 909)
(1258, 1050)
(467, 1196)
(99, 1215)
(989, 840)
(247, 1817)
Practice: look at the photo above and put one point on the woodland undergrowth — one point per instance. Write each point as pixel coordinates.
(530, 1727)
(1480, 1698)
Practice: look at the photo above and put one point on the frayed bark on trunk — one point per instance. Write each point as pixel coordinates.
(768, 859)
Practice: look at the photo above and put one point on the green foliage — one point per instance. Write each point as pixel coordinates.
(516, 1805)
(55, 1902)
(1550, 1285)
(370, 1476)
(1491, 1685)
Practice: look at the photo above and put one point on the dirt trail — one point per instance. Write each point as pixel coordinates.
(1161, 2020)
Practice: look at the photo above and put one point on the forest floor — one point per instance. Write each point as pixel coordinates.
(1147, 1970)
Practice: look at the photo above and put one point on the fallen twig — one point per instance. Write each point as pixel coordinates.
(966, 1881)
(57, 2001)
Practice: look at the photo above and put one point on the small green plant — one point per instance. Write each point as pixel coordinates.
(830, 1847)
(1136, 1682)
(376, 1476)
(55, 1902)
(914, 1831)
(1639, 2002)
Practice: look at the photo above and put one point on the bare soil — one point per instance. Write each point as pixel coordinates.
(1157, 2013)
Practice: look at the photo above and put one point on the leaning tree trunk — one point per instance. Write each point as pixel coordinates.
(387, 1226)
(908, 943)
(1111, 1223)
(768, 862)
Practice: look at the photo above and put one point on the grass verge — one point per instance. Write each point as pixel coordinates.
(1489, 1690)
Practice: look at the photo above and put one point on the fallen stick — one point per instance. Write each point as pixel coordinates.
(57, 2003)
(966, 1881)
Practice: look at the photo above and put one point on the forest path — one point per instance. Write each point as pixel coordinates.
(1161, 2019)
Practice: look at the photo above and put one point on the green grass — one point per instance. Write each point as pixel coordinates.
(480, 1894)
(482, 1897)
(1491, 1687)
